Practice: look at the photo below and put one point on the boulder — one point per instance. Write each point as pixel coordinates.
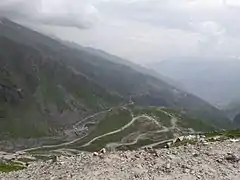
(103, 151)
(232, 158)
(9, 157)
(95, 154)
(169, 144)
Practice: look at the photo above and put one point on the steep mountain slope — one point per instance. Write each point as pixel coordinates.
(232, 109)
(236, 120)
(47, 86)
(37, 90)
(197, 75)
(115, 59)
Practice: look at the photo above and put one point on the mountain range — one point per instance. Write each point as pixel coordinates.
(48, 85)
(215, 80)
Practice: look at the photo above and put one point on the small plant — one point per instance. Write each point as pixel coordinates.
(9, 167)
(185, 142)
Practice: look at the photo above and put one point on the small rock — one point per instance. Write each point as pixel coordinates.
(137, 176)
(195, 154)
(168, 166)
(205, 143)
(95, 154)
(181, 138)
(198, 177)
(192, 172)
(202, 140)
(190, 137)
(139, 166)
(235, 166)
(53, 158)
(171, 157)
(137, 156)
(186, 170)
(219, 160)
(202, 136)
(169, 144)
(53, 178)
(148, 149)
(234, 140)
(232, 158)
(9, 157)
(103, 151)
(101, 156)
(20, 153)
(3, 153)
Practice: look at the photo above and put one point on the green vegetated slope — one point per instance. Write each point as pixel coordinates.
(6, 168)
(39, 92)
(47, 86)
(131, 127)
(225, 134)
(148, 126)
(111, 121)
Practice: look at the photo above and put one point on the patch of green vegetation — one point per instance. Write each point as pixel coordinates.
(186, 121)
(113, 121)
(139, 144)
(21, 118)
(44, 156)
(227, 134)
(138, 126)
(5, 168)
(25, 160)
(160, 145)
(117, 137)
(162, 136)
(195, 124)
(155, 113)
(51, 93)
(173, 112)
(185, 142)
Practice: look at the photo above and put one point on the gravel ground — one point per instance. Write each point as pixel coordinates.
(214, 161)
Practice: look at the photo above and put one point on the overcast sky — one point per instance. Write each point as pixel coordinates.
(140, 30)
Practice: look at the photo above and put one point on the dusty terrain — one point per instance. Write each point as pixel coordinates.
(218, 160)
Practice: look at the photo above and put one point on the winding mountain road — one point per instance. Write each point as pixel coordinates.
(173, 122)
(74, 126)
(116, 131)
(140, 136)
(166, 129)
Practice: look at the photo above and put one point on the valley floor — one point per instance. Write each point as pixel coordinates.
(215, 161)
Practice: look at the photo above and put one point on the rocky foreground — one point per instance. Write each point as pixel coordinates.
(218, 160)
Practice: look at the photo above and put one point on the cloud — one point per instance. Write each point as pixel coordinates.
(77, 13)
(210, 23)
(178, 14)
(140, 30)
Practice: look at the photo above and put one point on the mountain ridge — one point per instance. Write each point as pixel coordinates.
(47, 86)
(197, 73)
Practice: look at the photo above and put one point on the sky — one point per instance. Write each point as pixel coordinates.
(142, 31)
